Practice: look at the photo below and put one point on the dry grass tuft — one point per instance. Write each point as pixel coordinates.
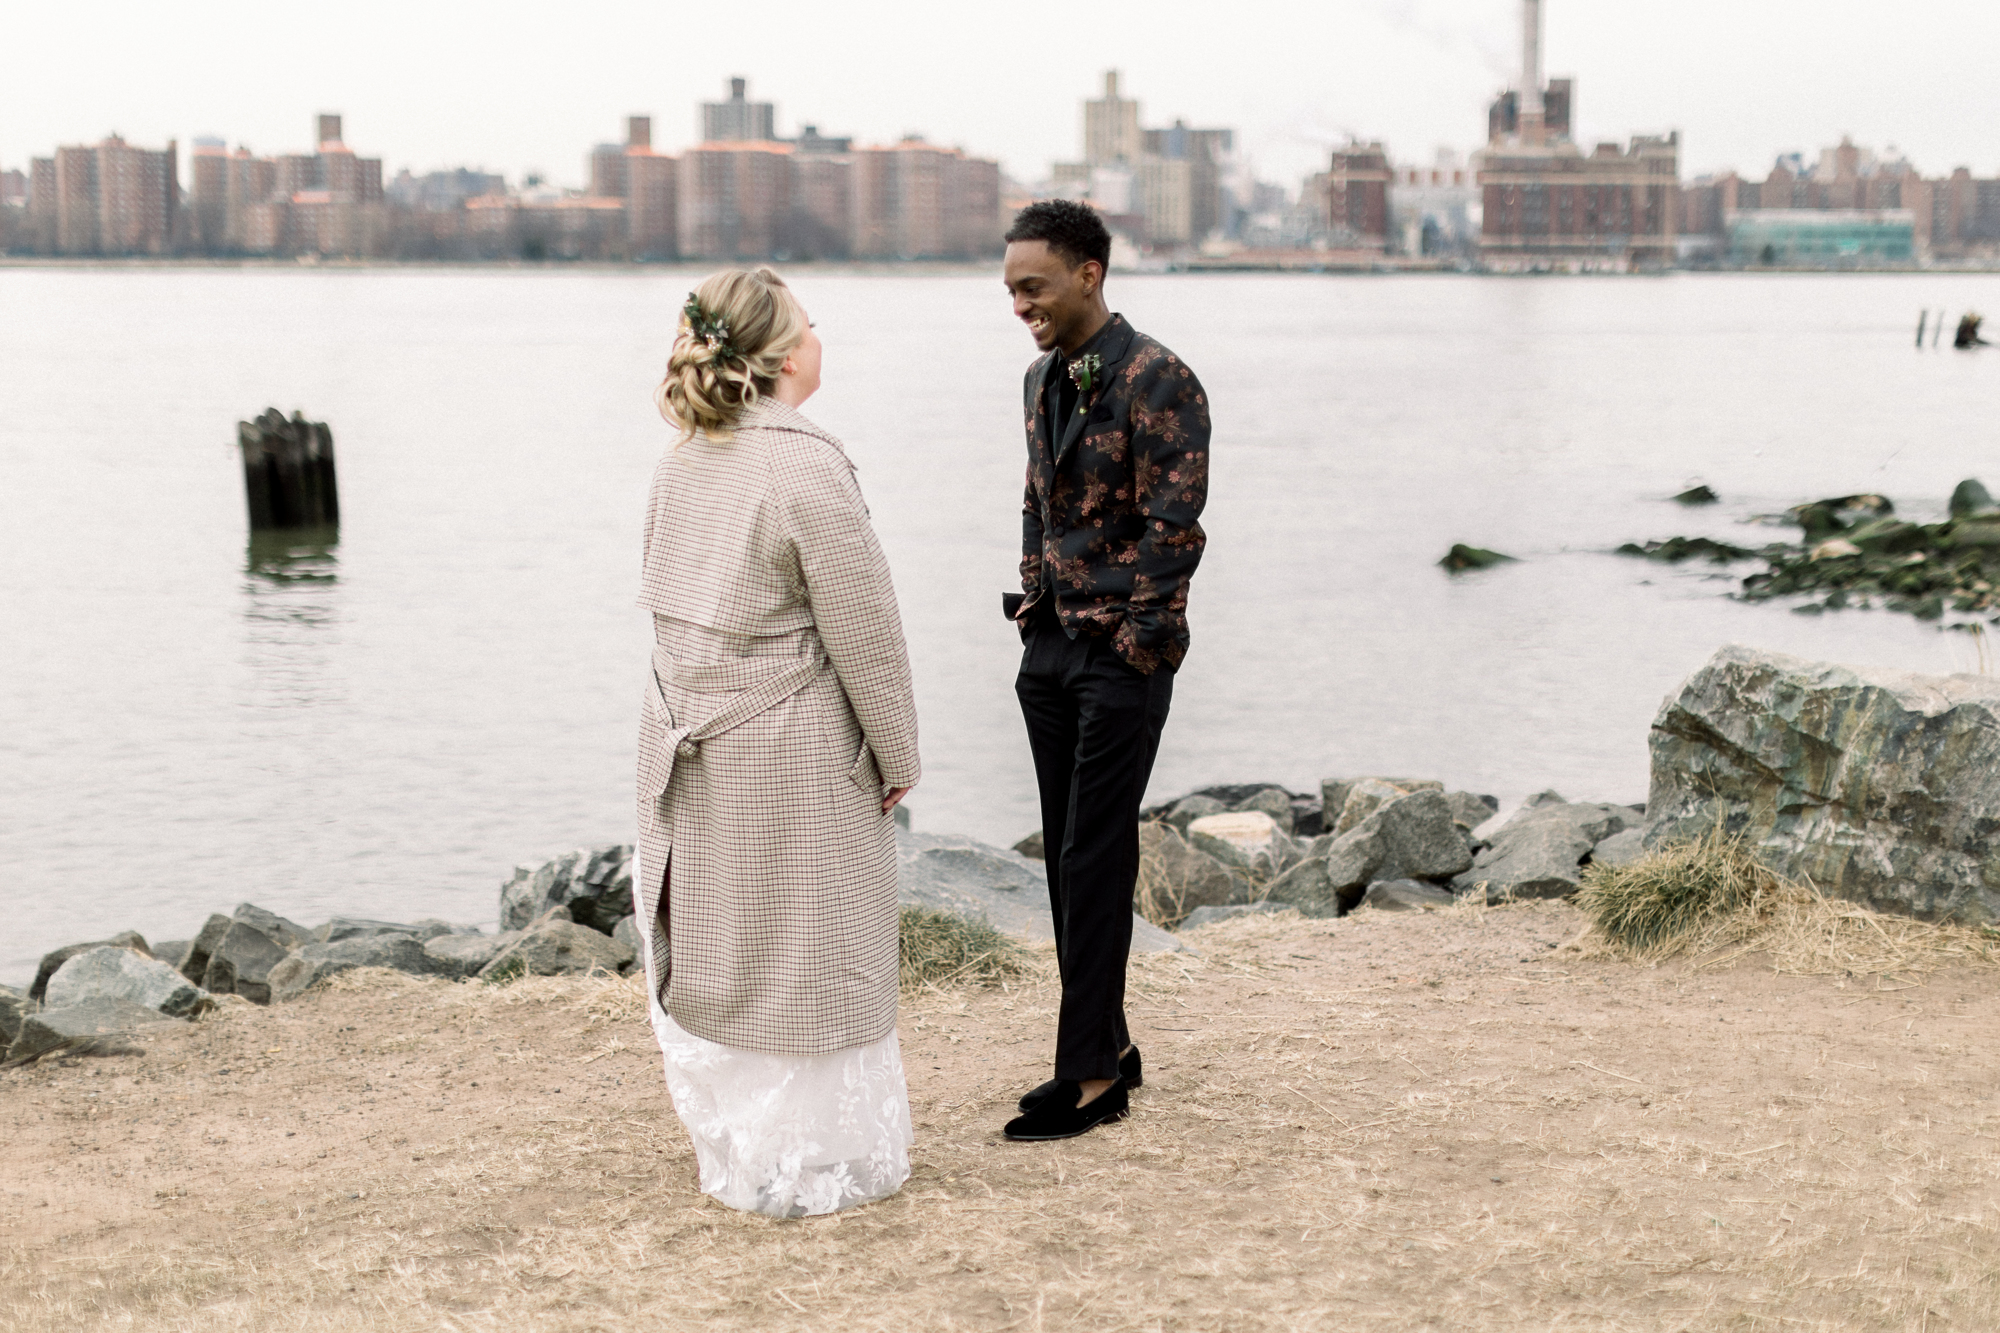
(1712, 902)
(1656, 905)
(943, 948)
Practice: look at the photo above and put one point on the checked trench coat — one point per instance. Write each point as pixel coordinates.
(778, 710)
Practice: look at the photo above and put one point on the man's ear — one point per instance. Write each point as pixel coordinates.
(1092, 274)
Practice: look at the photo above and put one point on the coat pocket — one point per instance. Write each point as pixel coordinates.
(864, 774)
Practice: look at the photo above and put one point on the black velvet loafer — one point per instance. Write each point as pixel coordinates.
(1059, 1117)
(1129, 1069)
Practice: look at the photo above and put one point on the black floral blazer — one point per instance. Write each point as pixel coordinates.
(1110, 509)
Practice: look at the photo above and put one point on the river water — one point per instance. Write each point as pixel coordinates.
(385, 726)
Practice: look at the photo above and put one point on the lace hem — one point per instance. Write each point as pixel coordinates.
(790, 1135)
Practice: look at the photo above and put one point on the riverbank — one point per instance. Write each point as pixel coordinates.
(1408, 1120)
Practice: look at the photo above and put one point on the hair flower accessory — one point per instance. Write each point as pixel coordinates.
(707, 329)
(1083, 373)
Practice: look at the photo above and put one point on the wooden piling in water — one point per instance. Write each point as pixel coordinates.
(288, 472)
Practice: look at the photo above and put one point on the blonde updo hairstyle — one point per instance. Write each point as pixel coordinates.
(710, 381)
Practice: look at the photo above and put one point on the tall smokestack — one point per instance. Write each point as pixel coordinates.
(1533, 125)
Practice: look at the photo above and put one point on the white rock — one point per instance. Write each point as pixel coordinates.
(112, 972)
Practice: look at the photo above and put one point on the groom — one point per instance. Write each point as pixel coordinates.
(1117, 475)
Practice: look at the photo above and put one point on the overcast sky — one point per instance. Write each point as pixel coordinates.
(519, 87)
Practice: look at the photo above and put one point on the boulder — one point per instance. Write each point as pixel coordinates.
(194, 964)
(314, 963)
(1206, 916)
(110, 972)
(14, 1006)
(172, 952)
(1308, 817)
(1462, 557)
(1878, 786)
(1032, 847)
(1316, 888)
(1273, 801)
(241, 963)
(1364, 798)
(1190, 808)
(626, 932)
(351, 927)
(1179, 877)
(1620, 849)
(1236, 838)
(1420, 839)
(1333, 793)
(289, 934)
(461, 956)
(1970, 497)
(1405, 895)
(557, 948)
(948, 873)
(81, 1027)
(55, 958)
(1539, 853)
(1469, 811)
(594, 883)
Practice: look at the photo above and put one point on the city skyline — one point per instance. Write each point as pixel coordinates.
(432, 93)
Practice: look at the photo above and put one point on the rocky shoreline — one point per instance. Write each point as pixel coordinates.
(1882, 787)
(1856, 553)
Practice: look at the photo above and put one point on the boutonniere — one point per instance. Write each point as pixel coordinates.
(1083, 373)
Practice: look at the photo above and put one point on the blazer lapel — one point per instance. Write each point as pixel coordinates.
(1117, 346)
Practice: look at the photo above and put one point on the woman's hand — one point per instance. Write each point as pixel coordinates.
(894, 798)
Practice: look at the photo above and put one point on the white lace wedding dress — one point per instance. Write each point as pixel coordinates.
(790, 1135)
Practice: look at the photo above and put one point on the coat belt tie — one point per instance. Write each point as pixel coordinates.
(685, 741)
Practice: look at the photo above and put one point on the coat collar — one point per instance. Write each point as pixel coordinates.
(770, 414)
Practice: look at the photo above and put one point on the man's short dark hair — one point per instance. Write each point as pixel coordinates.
(1070, 229)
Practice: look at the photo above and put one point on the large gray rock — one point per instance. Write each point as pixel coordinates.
(956, 874)
(1405, 895)
(462, 956)
(1181, 877)
(1620, 849)
(201, 949)
(1317, 888)
(352, 927)
(1411, 835)
(14, 1006)
(172, 952)
(1190, 808)
(1420, 838)
(1273, 801)
(82, 1027)
(556, 948)
(313, 963)
(288, 933)
(1333, 793)
(55, 958)
(1539, 852)
(241, 963)
(1878, 786)
(113, 973)
(594, 883)
(627, 934)
(1469, 811)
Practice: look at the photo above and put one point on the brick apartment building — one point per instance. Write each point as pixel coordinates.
(108, 198)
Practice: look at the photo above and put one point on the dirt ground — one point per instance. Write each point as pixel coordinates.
(1393, 1121)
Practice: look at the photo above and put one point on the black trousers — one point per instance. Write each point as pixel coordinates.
(1094, 725)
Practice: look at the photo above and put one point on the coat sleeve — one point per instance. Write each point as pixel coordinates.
(853, 606)
(1170, 430)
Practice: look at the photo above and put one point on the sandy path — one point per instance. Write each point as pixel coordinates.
(1392, 1121)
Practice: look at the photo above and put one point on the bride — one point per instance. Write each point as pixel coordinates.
(778, 732)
